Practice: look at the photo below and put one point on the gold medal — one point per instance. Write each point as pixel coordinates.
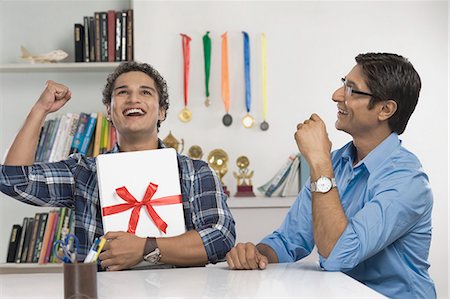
(248, 121)
(185, 115)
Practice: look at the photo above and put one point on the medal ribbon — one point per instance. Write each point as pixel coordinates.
(264, 73)
(207, 57)
(248, 95)
(185, 40)
(225, 80)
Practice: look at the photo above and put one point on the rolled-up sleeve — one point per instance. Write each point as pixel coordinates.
(211, 216)
(399, 199)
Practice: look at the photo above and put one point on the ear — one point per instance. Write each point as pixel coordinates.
(108, 112)
(388, 109)
(162, 114)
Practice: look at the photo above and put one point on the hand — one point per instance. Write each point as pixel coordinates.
(246, 256)
(122, 251)
(312, 139)
(53, 97)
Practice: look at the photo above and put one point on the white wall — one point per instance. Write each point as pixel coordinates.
(311, 45)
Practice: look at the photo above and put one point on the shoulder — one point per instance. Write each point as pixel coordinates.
(191, 166)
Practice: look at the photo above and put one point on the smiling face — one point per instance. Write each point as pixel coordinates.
(134, 108)
(354, 117)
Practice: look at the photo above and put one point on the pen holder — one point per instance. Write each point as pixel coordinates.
(80, 280)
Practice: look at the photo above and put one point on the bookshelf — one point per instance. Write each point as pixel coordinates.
(58, 67)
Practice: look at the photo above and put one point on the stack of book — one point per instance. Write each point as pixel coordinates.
(289, 179)
(87, 134)
(33, 241)
(105, 37)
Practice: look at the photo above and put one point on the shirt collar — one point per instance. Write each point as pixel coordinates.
(116, 148)
(375, 158)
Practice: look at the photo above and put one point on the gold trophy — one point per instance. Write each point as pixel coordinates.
(244, 178)
(171, 141)
(195, 152)
(217, 160)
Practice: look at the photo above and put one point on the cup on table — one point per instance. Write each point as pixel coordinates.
(80, 280)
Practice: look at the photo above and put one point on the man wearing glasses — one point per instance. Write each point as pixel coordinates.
(367, 206)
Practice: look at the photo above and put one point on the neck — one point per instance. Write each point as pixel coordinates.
(130, 144)
(364, 145)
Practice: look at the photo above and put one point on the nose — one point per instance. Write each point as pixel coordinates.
(338, 95)
(133, 97)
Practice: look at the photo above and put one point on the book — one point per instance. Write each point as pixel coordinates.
(39, 237)
(79, 42)
(105, 136)
(130, 47)
(32, 243)
(52, 236)
(86, 38)
(275, 182)
(103, 36)
(22, 239)
(118, 36)
(26, 244)
(292, 186)
(124, 36)
(111, 35)
(89, 130)
(71, 131)
(97, 34)
(46, 238)
(98, 135)
(51, 140)
(14, 240)
(42, 139)
(58, 229)
(79, 134)
(92, 39)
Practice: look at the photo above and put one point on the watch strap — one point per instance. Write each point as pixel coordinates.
(150, 245)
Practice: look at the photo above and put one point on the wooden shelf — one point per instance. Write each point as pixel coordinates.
(260, 202)
(13, 268)
(52, 67)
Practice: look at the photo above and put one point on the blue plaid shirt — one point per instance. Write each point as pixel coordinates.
(73, 183)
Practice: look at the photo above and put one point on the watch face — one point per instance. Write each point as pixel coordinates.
(323, 184)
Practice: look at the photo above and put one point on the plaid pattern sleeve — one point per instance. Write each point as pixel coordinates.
(209, 213)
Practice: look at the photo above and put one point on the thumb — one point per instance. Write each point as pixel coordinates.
(262, 261)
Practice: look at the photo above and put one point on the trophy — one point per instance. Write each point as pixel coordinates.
(171, 141)
(217, 160)
(195, 152)
(244, 178)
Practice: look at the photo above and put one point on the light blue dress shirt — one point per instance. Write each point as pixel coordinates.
(388, 201)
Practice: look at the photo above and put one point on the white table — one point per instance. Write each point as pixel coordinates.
(294, 280)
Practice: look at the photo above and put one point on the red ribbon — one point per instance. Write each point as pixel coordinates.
(147, 201)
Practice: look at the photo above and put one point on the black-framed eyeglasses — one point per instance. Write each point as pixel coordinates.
(349, 90)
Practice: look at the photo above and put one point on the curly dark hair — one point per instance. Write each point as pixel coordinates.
(132, 66)
(392, 77)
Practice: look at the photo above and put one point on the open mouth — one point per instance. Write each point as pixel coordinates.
(133, 112)
(342, 112)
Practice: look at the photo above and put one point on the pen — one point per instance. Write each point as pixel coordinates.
(92, 252)
(99, 249)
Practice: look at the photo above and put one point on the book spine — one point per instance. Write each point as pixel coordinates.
(81, 130)
(92, 39)
(42, 138)
(40, 237)
(98, 135)
(79, 42)
(47, 144)
(52, 236)
(62, 213)
(52, 140)
(104, 36)
(26, 244)
(72, 128)
(105, 136)
(280, 177)
(46, 238)
(118, 36)
(111, 35)
(97, 33)
(33, 238)
(124, 36)
(13, 243)
(130, 47)
(86, 39)
(89, 129)
(22, 239)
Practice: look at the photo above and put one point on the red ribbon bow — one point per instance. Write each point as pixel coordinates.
(147, 201)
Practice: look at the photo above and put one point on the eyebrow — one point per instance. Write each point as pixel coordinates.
(142, 87)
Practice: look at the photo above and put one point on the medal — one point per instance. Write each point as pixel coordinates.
(207, 58)
(264, 126)
(185, 115)
(248, 121)
(227, 120)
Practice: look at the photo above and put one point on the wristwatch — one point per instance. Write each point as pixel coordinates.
(323, 184)
(152, 254)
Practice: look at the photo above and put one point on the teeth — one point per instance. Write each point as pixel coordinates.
(133, 110)
(342, 111)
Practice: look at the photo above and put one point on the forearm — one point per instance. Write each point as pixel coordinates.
(267, 251)
(23, 149)
(329, 220)
(183, 250)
